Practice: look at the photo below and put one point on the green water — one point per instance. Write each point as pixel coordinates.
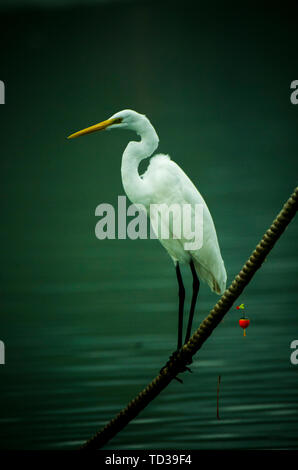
(88, 323)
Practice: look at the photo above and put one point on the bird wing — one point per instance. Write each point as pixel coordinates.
(170, 185)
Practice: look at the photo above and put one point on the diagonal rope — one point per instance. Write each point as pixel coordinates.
(179, 361)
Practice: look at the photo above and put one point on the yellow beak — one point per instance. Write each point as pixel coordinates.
(97, 127)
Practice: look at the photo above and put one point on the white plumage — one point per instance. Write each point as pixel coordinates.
(165, 182)
(171, 185)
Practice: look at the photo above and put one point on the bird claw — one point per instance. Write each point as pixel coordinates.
(178, 379)
(186, 369)
(171, 358)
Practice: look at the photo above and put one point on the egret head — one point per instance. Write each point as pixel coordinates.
(126, 119)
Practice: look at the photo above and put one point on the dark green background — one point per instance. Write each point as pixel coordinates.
(88, 323)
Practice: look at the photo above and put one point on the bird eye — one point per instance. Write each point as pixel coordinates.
(117, 121)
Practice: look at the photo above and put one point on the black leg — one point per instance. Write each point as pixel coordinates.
(195, 291)
(181, 305)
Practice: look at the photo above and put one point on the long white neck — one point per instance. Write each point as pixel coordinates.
(134, 153)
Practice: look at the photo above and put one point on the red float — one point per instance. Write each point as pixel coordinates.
(244, 323)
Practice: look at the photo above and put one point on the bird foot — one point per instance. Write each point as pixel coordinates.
(172, 357)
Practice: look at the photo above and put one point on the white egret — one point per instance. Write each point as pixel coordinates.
(165, 182)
